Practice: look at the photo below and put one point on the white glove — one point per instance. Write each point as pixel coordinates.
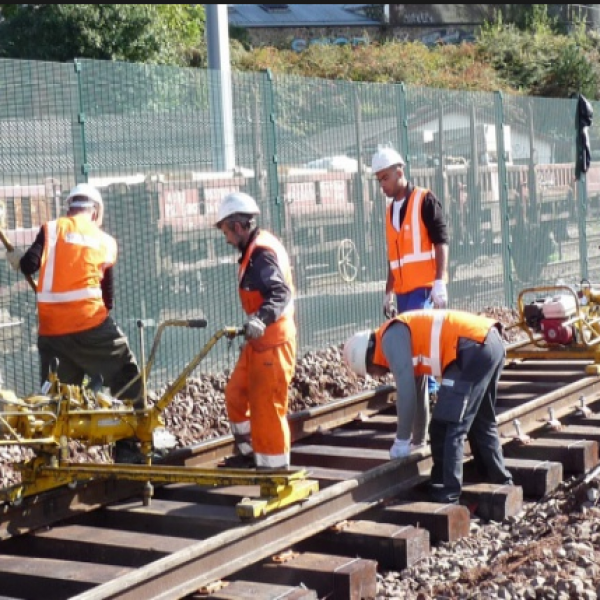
(14, 258)
(389, 306)
(439, 294)
(255, 328)
(400, 449)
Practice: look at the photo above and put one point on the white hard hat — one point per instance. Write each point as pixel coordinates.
(236, 202)
(84, 195)
(355, 352)
(385, 158)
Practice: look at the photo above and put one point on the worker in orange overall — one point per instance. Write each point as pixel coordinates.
(417, 246)
(468, 353)
(256, 395)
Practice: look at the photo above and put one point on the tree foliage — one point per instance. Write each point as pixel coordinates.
(149, 33)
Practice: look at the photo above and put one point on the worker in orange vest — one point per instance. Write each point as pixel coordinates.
(75, 292)
(417, 245)
(467, 352)
(256, 395)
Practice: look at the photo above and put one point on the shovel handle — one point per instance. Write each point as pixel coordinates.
(9, 248)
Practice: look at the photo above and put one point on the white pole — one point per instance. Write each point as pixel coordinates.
(217, 34)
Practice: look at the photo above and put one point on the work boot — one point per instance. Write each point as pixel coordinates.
(128, 452)
(238, 461)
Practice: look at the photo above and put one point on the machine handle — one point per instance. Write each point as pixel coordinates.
(197, 323)
(9, 248)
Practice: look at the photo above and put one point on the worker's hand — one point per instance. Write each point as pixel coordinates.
(14, 258)
(389, 306)
(254, 328)
(439, 294)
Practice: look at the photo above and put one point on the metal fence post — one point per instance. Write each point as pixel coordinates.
(403, 133)
(277, 221)
(78, 128)
(503, 199)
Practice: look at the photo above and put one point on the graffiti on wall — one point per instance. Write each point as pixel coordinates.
(299, 44)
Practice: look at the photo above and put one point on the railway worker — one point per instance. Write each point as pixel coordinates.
(256, 395)
(75, 293)
(467, 351)
(417, 246)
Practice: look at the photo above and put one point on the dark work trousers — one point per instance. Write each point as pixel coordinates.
(103, 350)
(466, 407)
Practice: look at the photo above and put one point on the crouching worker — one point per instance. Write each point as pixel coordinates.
(256, 395)
(467, 351)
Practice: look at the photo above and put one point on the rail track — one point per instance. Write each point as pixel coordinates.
(98, 540)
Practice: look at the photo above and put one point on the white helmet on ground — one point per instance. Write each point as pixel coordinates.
(385, 158)
(84, 195)
(355, 352)
(234, 203)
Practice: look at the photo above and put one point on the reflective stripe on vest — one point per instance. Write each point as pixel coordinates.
(434, 361)
(410, 246)
(434, 337)
(76, 254)
(251, 301)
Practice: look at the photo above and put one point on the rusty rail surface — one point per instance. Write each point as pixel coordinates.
(190, 537)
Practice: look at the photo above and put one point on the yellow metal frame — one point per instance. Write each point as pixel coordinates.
(45, 423)
(586, 322)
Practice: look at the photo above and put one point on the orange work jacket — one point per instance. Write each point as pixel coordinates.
(75, 256)
(284, 329)
(411, 253)
(434, 335)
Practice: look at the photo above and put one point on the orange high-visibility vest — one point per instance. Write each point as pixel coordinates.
(434, 335)
(284, 329)
(69, 297)
(411, 253)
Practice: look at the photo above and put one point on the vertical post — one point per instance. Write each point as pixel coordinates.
(217, 33)
(271, 156)
(78, 128)
(360, 218)
(403, 121)
(503, 199)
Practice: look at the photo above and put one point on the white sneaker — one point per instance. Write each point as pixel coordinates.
(400, 449)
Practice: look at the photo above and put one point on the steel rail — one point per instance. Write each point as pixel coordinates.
(186, 571)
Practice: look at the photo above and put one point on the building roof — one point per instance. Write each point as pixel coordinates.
(299, 15)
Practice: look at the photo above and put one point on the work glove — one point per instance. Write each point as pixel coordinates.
(254, 328)
(14, 258)
(400, 449)
(439, 294)
(389, 306)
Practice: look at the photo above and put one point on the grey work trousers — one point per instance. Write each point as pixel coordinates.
(466, 408)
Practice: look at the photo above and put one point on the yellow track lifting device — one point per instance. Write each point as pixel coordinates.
(561, 323)
(45, 423)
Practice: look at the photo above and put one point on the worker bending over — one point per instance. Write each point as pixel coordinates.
(467, 351)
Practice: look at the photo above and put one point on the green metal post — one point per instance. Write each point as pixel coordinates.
(271, 154)
(503, 192)
(78, 129)
(403, 133)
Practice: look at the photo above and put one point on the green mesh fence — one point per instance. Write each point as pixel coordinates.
(152, 139)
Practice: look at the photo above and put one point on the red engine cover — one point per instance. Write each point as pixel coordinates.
(555, 332)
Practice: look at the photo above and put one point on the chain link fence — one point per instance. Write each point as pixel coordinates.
(149, 137)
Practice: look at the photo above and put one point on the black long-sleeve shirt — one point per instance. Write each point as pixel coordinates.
(264, 275)
(32, 260)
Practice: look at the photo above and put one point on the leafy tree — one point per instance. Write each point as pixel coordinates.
(149, 33)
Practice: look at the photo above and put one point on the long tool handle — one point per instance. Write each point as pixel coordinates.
(9, 248)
